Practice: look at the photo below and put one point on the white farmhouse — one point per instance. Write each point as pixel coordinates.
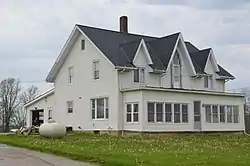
(135, 83)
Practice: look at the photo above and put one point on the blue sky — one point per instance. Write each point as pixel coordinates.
(32, 33)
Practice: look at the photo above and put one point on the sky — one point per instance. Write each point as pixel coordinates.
(32, 33)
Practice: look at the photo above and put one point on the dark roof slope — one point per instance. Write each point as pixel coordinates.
(109, 42)
(120, 48)
(190, 47)
(162, 48)
(223, 72)
(200, 57)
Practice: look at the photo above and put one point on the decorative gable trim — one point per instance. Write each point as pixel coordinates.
(143, 45)
(214, 62)
(66, 50)
(180, 38)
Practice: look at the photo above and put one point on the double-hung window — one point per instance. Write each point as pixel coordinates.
(96, 69)
(159, 112)
(139, 75)
(167, 112)
(176, 70)
(208, 81)
(215, 114)
(50, 113)
(222, 113)
(70, 106)
(208, 113)
(70, 75)
(100, 108)
(229, 114)
(132, 112)
(236, 114)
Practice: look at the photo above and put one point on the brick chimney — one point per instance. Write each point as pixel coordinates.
(124, 24)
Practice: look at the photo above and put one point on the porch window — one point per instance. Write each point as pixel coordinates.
(229, 114)
(132, 112)
(168, 112)
(236, 114)
(177, 113)
(208, 113)
(222, 114)
(151, 112)
(99, 108)
(215, 114)
(185, 113)
(159, 112)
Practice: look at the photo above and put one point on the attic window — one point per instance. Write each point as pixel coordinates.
(83, 44)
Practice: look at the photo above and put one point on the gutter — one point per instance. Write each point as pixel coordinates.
(183, 91)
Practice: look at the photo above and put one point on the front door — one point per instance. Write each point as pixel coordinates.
(197, 115)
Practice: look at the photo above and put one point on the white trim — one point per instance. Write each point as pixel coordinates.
(183, 91)
(186, 51)
(132, 103)
(53, 71)
(40, 97)
(215, 64)
(105, 98)
(143, 44)
(85, 36)
(64, 53)
(180, 38)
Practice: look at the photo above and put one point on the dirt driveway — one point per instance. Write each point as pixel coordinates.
(11, 156)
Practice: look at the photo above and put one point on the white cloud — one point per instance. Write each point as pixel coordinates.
(33, 32)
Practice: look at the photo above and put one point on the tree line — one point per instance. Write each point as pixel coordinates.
(12, 99)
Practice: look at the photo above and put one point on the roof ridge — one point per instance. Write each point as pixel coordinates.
(109, 30)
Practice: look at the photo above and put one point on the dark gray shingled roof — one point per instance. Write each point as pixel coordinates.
(120, 48)
(200, 57)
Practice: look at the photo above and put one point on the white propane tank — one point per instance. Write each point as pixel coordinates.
(52, 129)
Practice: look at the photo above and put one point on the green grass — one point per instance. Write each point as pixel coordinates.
(143, 150)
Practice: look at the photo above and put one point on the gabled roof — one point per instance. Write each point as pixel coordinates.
(224, 73)
(110, 43)
(120, 49)
(200, 57)
(190, 47)
(40, 97)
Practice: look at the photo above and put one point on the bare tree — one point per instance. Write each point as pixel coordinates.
(19, 117)
(29, 94)
(9, 93)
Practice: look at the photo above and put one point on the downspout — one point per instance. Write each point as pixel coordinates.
(120, 102)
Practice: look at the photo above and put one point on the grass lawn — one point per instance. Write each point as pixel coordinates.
(143, 150)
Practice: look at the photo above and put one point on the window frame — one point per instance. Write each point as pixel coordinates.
(83, 44)
(133, 112)
(96, 69)
(225, 111)
(94, 110)
(50, 113)
(165, 112)
(138, 75)
(70, 75)
(70, 107)
(173, 71)
(206, 81)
